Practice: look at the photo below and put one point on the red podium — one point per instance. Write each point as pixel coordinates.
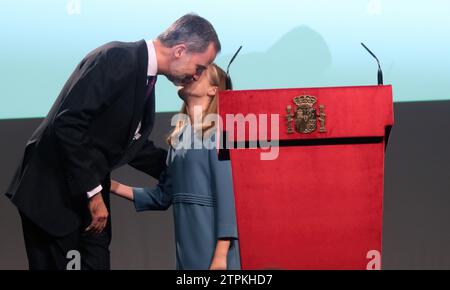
(318, 203)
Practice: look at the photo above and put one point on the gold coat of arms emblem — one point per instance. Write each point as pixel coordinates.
(304, 117)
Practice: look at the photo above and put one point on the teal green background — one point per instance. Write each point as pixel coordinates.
(287, 43)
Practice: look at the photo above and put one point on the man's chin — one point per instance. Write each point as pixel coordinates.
(181, 95)
(178, 83)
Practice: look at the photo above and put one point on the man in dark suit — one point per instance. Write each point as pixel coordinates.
(100, 121)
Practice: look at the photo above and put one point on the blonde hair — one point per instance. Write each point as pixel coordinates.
(216, 77)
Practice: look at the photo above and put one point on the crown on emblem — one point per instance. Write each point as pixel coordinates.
(305, 101)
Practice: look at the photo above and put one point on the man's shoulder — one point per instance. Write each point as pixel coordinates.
(118, 50)
(121, 46)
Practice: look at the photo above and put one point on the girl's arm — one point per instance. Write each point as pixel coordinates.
(122, 190)
(225, 213)
(146, 198)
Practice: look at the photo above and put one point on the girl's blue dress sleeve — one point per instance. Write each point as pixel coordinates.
(158, 198)
(222, 185)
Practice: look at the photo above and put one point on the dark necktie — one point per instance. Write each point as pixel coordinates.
(151, 80)
(149, 101)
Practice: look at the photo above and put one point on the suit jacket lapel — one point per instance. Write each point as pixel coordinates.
(140, 89)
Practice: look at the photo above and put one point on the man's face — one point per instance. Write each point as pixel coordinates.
(187, 67)
(197, 89)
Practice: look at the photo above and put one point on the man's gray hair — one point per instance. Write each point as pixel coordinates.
(193, 31)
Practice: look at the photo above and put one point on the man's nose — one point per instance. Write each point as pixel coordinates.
(195, 77)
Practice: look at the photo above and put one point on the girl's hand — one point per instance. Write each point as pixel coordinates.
(218, 263)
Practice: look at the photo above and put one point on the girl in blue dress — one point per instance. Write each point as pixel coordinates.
(196, 184)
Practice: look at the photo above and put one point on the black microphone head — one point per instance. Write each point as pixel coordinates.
(380, 77)
(228, 83)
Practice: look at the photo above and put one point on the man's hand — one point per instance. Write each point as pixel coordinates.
(99, 214)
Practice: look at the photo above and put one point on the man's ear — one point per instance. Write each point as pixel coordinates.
(179, 50)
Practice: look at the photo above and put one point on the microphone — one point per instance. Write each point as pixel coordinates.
(229, 84)
(380, 72)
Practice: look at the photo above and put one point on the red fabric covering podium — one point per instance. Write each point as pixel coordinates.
(318, 205)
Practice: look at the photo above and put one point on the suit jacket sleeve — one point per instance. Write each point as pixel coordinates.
(150, 160)
(223, 188)
(90, 90)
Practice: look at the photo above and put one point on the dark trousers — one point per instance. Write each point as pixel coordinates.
(46, 252)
